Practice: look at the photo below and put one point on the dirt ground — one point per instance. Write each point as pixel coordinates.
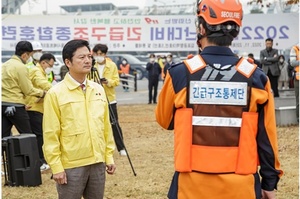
(151, 152)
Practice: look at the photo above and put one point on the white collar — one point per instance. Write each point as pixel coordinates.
(84, 82)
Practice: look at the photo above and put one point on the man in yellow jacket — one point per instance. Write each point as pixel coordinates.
(109, 78)
(36, 54)
(78, 140)
(16, 85)
(35, 106)
(36, 57)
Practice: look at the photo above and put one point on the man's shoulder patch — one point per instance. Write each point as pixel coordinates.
(245, 68)
(194, 64)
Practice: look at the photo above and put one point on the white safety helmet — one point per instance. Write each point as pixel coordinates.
(36, 45)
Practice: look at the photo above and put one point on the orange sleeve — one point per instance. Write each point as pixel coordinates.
(270, 125)
(262, 101)
(168, 102)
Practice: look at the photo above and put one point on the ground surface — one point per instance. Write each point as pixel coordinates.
(151, 152)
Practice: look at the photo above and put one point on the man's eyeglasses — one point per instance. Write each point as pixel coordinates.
(49, 64)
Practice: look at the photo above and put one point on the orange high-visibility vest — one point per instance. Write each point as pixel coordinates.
(51, 77)
(296, 48)
(201, 145)
(124, 69)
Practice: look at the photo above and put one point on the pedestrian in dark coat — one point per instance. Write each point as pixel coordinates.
(154, 70)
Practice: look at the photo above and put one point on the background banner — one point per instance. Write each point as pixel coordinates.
(143, 33)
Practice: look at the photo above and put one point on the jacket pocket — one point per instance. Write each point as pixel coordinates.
(97, 106)
(76, 145)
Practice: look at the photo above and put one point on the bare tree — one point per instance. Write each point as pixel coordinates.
(32, 3)
(284, 5)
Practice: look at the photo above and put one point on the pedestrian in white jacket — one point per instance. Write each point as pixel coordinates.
(283, 80)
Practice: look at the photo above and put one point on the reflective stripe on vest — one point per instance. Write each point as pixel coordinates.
(216, 121)
(30, 65)
(220, 137)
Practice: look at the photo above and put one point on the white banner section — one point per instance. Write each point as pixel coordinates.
(142, 33)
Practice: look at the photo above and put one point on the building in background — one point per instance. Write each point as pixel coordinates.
(11, 6)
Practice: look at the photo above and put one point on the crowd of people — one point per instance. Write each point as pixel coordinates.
(220, 106)
(279, 71)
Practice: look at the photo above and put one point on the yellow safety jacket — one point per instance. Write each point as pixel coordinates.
(31, 65)
(16, 84)
(216, 137)
(110, 72)
(76, 126)
(39, 80)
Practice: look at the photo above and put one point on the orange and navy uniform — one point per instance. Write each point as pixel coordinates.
(219, 143)
(296, 69)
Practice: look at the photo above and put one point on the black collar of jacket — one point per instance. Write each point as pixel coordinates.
(217, 50)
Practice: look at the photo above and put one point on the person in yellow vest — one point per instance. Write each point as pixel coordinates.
(109, 79)
(294, 61)
(78, 140)
(124, 71)
(35, 106)
(35, 58)
(36, 54)
(222, 112)
(16, 85)
(160, 62)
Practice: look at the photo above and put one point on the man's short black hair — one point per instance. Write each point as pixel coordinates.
(70, 48)
(281, 56)
(47, 56)
(152, 55)
(269, 39)
(250, 55)
(23, 47)
(102, 47)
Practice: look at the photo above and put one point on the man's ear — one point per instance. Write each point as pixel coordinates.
(202, 30)
(68, 63)
(23, 56)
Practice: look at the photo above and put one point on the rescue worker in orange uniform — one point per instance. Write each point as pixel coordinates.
(294, 60)
(222, 111)
(124, 71)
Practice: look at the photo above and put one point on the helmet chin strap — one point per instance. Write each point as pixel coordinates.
(199, 37)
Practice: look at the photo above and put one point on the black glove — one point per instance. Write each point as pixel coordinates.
(10, 111)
